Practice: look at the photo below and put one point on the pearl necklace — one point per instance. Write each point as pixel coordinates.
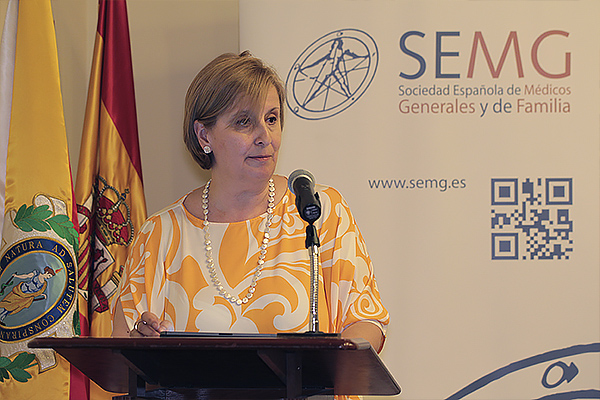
(210, 263)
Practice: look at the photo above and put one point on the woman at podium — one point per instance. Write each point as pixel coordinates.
(230, 256)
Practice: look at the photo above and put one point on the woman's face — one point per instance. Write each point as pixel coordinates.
(245, 141)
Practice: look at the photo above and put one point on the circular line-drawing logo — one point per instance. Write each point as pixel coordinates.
(557, 369)
(331, 74)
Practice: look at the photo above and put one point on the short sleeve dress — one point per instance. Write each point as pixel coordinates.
(166, 272)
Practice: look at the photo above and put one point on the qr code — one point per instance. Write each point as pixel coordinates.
(531, 219)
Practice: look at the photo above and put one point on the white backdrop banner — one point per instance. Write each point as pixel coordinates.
(465, 137)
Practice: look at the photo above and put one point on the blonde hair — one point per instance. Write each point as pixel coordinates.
(221, 85)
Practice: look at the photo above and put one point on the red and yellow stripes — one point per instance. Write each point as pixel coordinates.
(109, 188)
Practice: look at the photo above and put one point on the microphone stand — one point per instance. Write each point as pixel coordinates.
(312, 244)
(301, 184)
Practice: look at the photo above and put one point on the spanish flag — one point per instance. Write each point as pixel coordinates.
(38, 262)
(109, 190)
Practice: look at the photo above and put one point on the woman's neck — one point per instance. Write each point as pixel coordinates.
(234, 203)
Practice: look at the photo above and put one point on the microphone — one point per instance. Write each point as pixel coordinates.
(302, 184)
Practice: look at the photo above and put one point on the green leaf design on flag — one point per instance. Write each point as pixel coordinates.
(76, 323)
(16, 368)
(41, 219)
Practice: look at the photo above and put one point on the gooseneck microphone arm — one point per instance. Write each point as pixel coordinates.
(302, 184)
(312, 244)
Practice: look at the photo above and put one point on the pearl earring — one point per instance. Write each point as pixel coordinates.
(207, 149)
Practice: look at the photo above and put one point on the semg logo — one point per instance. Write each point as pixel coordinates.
(479, 47)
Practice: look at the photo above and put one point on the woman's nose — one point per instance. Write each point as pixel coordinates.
(263, 135)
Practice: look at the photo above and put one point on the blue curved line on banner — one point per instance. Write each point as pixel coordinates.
(575, 395)
(526, 363)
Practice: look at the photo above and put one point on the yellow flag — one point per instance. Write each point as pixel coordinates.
(38, 272)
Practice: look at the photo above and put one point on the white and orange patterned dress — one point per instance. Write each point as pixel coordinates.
(166, 272)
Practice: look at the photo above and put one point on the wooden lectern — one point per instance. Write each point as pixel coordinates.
(222, 367)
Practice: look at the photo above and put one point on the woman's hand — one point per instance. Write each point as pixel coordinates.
(365, 330)
(150, 325)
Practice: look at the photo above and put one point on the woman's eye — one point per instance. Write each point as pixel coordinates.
(243, 122)
(272, 120)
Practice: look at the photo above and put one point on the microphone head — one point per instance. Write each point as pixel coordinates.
(298, 174)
